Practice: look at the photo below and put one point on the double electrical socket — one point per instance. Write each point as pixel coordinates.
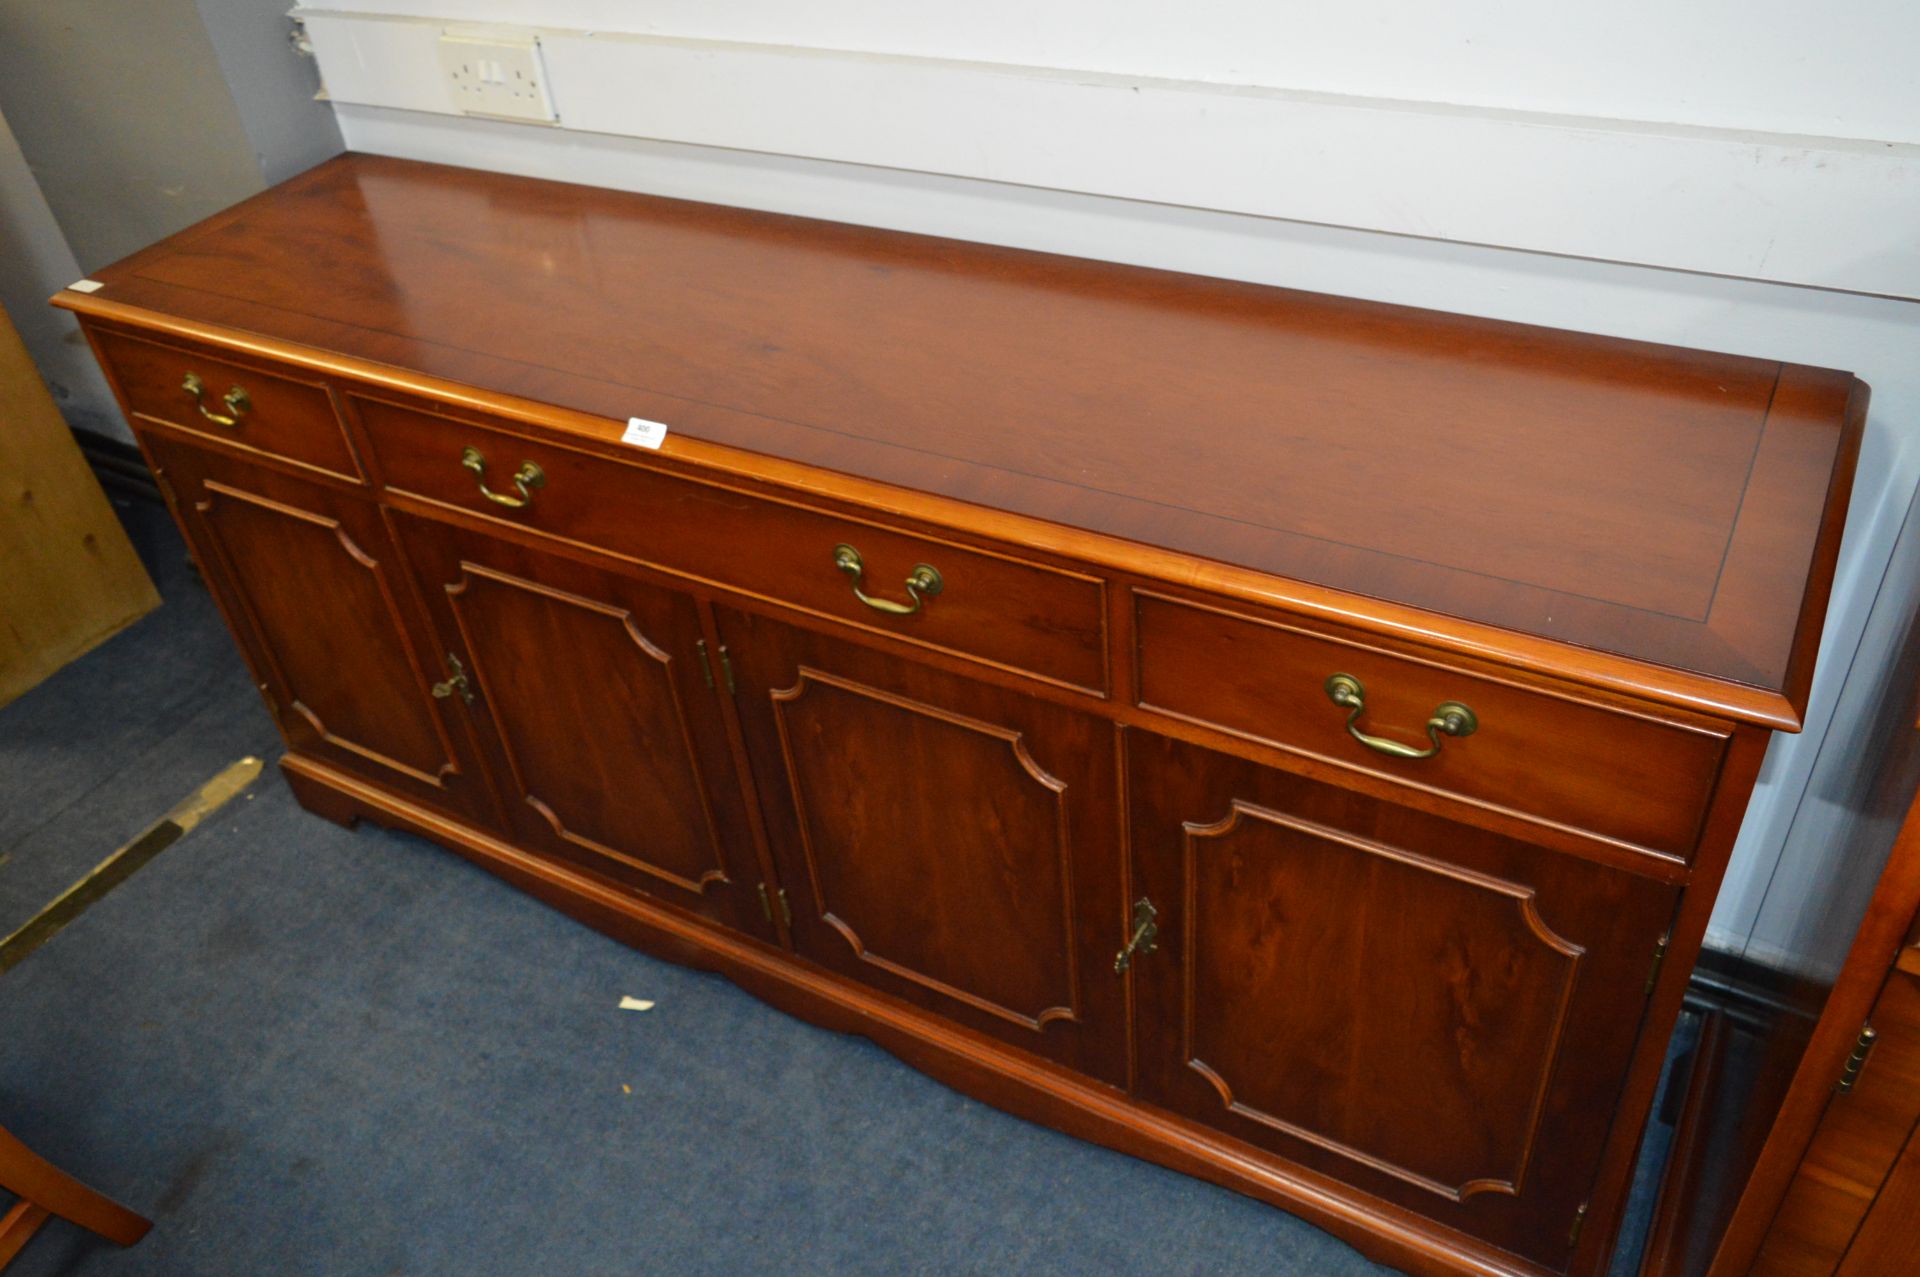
(497, 74)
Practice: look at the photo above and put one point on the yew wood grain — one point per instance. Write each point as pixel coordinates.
(285, 418)
(1265, 679)
(597, 697)
(1632, 499)
(948, 842)
(785, 480)
(1451, 1037)
(1020, 615)
(313, 588)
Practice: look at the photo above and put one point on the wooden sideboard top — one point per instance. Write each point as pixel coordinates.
(1669, 515)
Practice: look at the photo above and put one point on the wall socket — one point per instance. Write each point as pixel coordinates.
(497, 74)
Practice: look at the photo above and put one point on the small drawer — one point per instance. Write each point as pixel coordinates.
(1636, 777)
(236, 404)
(1008, 612)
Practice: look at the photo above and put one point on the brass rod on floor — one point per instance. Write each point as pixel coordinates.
(122, 864)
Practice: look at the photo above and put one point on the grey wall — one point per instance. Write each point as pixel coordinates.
(124, 116)
(121, 123)
(272, 86)
(35, 262)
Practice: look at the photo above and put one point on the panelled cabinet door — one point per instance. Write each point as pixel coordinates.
(310, 582)
(1433, 1013)
(599, 698)
(945, 841)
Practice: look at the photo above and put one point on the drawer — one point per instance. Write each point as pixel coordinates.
(1008, 612)
(1630, 776)
(238, 405)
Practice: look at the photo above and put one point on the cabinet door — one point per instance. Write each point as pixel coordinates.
(952, 843)
(309, 581)
(1438, 1015)
(598, 697)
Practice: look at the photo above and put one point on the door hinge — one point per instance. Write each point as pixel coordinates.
(766, 904)
(706, 672)
(1579, 1222)
(456, 681)
(1659, 957)
(1862, 1047)
(726, 670)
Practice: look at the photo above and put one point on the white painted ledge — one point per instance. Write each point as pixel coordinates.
(1831, 213)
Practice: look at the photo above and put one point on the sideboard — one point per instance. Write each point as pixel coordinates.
(1293, 739)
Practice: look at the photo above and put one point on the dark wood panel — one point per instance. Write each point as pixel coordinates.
(1266, 679)
(599, 694)
(1670, 506)
(307, 576)
(1020, 615)
(283, 417)
(947, 841)
(1451, 1035)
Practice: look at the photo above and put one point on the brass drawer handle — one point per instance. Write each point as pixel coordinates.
(922, 583)
(528, 477)
(238, 402)
(1450, 719)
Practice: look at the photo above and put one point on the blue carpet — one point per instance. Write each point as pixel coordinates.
(304, 1050)
(99, 751)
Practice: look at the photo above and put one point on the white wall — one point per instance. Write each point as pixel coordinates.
(1523, 170)
(1765, 65)
(1677, 173)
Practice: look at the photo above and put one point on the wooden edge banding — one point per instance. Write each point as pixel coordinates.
(1742, 765)
(970, 1063)
(1833, 523)
(1606, 671)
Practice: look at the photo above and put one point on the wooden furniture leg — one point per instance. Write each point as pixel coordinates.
(44, 1189)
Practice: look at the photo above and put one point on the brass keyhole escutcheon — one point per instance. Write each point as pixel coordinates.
(1145, 938)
